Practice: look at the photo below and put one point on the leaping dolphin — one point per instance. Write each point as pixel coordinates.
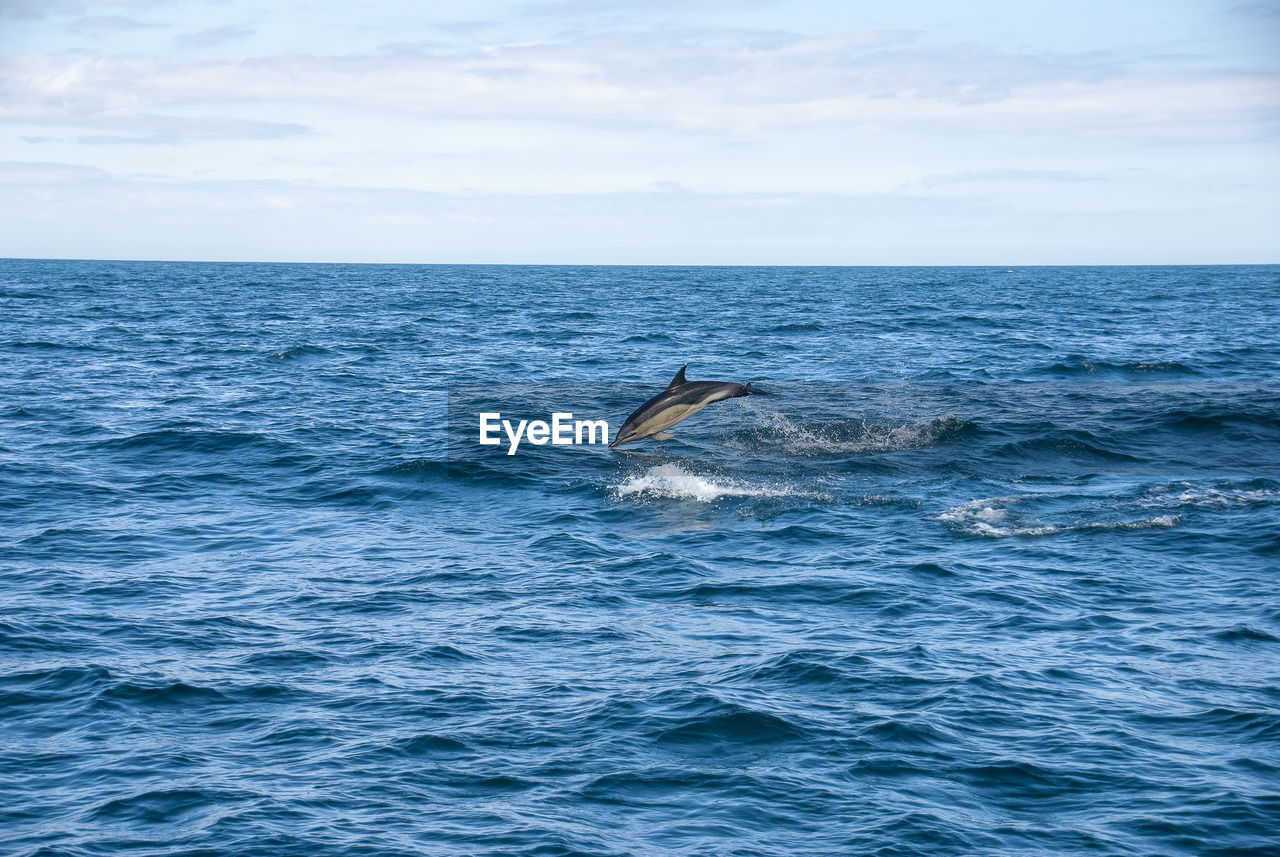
(681, 400)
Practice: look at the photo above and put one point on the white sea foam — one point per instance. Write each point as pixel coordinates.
(990, 518)
(674, 482)
(986, 510)
(1206, 497)
(1157, 521)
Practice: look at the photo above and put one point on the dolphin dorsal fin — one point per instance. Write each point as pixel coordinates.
(679, 378)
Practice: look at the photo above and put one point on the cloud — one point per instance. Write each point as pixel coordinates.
(172, 130)
(212, 37)
(1008, 176)
(200, 130)
(94, 24)
(40, 172)
(712, 81)
(297, 220)
(117, 216)
(578, 10)
(1269, 12)
(34, 10)
(464, 28)
(148, 129)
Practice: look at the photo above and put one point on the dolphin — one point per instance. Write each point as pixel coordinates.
(681, 400)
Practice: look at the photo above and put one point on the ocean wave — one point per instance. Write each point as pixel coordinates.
(634, 339)
(1077, 365)
(906, 732)
(44, 345)
(53, 683)
(1245, 724)
(1211, 420)
(1191, 495)
(645, 786)
(159, 694)
(460, 471)
(169, 805)
(427, 745)
(1075, 443)
(1242, 633)
(187, 440)
(795, 327)
(732, 724)
(816, 668)
(303, 353)
(786, 592)
(1000, 517)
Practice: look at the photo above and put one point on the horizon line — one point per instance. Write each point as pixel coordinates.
(649, 264)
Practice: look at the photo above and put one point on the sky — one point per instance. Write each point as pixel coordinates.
(999, 132)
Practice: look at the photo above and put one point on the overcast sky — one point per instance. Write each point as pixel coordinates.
(603, 131)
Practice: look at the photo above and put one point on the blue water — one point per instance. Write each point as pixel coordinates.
(994, 571)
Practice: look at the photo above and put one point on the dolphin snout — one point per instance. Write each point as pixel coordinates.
(626, 434)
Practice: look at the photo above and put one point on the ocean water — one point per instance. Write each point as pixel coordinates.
(994, 570)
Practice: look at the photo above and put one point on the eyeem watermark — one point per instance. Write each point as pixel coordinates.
(563, 430)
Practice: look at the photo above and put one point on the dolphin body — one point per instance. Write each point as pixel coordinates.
(681, 400)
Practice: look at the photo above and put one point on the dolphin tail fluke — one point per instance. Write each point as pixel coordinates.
(755, 391)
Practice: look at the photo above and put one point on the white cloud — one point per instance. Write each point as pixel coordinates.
(174, 130)
(145, 217)
(33, 10)
(1018, 176)
(212, 36)
(37, 173)
(93, 24)
(871, 80)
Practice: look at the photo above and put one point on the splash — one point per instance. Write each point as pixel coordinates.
(672, 481)
(993, 518)
(846, 437)
(1187, 494)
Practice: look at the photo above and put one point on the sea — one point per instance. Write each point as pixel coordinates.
(993, 570)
